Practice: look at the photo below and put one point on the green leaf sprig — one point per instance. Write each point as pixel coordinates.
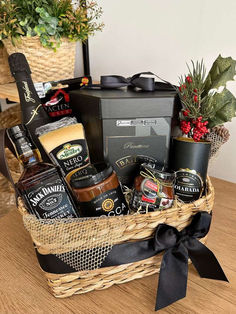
(197, 98)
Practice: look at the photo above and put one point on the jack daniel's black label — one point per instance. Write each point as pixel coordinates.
(49, 199)
(188, 185)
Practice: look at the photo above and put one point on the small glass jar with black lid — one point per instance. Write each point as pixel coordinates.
(99, 193)
(153, 188)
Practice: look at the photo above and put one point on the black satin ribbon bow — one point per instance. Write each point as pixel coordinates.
(145, 83)
(179, 246)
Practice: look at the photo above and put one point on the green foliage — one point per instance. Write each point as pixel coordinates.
(224, 105)
(197, 97)
(222, 71)
(51, 20)
(191, 92)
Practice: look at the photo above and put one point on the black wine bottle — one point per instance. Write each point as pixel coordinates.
(32, 112)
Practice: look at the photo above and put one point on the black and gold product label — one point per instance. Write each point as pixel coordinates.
(70, 156)
(110, 203)
(188, 185)
(49, 199)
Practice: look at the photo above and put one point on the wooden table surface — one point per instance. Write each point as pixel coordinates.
(9, 91)
(23, 288)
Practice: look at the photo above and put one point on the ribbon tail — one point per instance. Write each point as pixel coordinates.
(204, 261)
(173, 277)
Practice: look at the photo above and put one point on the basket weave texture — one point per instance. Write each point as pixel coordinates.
(5, 74)
(134, 228)
(9, 118)
(46, 65)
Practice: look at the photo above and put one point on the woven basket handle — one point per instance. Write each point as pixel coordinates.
(4, 169)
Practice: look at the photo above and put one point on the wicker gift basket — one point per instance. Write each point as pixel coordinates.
(84, 234)
(63, 60)
(5, 75)
(83, 244)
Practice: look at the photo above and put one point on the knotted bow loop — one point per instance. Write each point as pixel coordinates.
(116, 81)
(145, 83)
(165, 237)
(179, 246)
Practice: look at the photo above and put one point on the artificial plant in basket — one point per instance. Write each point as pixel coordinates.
(50, 20)
(206, 102)
(46, 31)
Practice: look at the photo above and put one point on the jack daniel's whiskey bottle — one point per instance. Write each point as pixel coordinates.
(33, 113)
(41, 185)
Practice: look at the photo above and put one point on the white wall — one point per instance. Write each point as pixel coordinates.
(161, 36)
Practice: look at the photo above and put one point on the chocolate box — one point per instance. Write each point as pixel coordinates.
(125, 127)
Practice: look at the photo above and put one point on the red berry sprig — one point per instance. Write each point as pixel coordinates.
(185, 126)
(186, 112)
(200, 129)
(195, 98)
(189, 79)
(182, 87)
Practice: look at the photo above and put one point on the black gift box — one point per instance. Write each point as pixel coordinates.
(125, 127)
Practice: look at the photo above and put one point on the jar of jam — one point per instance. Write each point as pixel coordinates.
(153, 188)
(99, 192)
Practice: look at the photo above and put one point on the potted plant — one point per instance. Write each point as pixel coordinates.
(206, 102)
(46, 31)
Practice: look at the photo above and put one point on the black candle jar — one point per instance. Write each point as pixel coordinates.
(189, 160)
